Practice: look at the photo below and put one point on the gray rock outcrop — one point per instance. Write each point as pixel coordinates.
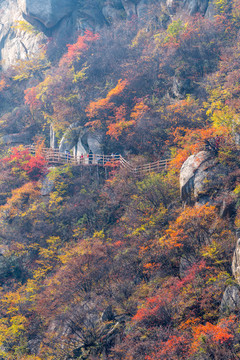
(130, 8)
(200, 176)
(186, 262)
(53, 138)
(48, 182)
(81, 140)
(231, 299)
(70, 138)
(94, 141)
(16, 139)
(14, 43)
(236, 262)
(196, 6)
(111, 13)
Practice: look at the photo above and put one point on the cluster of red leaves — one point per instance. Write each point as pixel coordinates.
(76, 49)
(204, 337)
(174, 348)
(21, 161)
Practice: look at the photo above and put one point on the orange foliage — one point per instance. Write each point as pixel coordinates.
(191, 223)
(213, 334)
(190, 142)
(139, 110)
(120, 123)
(154, 309)
(116, 129)
(159, 307)
(95, 106)
(188, 108)
(173, 238)
(205, 337)
(3, 84)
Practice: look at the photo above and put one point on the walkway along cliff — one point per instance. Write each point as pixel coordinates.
(55, 157)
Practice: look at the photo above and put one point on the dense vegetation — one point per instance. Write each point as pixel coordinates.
(95, 269)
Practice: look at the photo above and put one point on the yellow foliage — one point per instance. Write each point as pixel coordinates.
(11, 329)
(18, 249)
(25, 27)
(80, 75)
(213, 252)
(12, 301)
(237, 219)
(27, 68)
(20, 199)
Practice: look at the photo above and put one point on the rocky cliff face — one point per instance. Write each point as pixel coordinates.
(59, 21)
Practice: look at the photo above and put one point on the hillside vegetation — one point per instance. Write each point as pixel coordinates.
(119, 267)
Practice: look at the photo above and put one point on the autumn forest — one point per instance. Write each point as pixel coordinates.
(109, 264)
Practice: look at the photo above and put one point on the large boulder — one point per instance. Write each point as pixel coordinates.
(54, 19)
(202, 175)
(48, 12)
(90, 15)
(188, 170)
(142, 10)
(209, 178)
(130, 8)
(111, 13)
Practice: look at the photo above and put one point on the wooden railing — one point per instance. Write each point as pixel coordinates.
(55, 157)
(156, 166)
